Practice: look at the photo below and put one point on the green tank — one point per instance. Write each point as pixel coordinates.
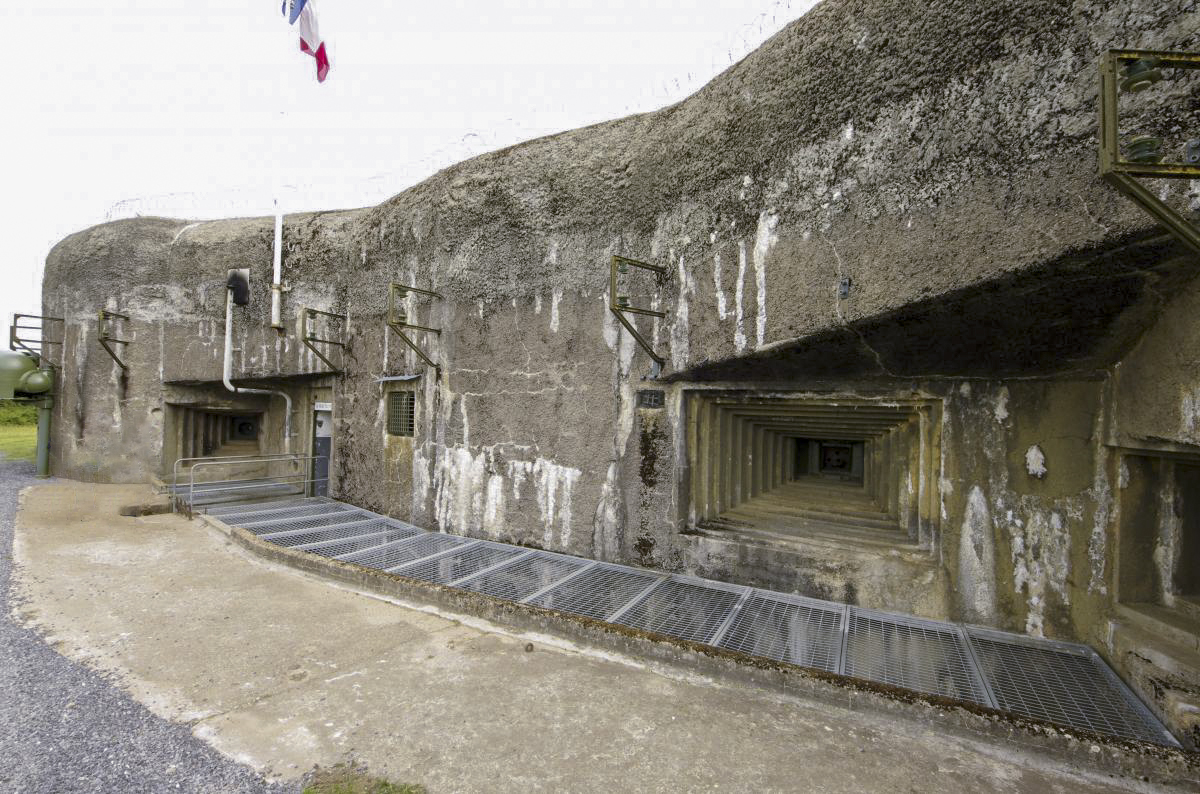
(14, 367)
(37, 381)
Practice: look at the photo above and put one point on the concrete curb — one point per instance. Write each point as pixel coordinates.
(1132, 759)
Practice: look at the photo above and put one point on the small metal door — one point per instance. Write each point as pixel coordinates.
(322, 447)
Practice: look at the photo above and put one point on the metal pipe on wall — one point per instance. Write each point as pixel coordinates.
(277, 278)
(227, 375)
(43, 437)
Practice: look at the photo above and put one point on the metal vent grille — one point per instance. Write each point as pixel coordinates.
(524, 577)
(597, 593)
(682, 609)
(789, 629)
(401, 413)
(650, 398)
(922, 655)
(1065, 684)
(451, 567)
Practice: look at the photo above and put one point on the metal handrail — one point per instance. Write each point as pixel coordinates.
(261, 457)
(297, 459)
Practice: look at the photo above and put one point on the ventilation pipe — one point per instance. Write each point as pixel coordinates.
(237, 286)
(277, 280)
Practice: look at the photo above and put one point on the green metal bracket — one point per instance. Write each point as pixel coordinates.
(397, 318)
(311, 340)
(619, 304)
(21, 325)
(1142, 69)
(105, 337)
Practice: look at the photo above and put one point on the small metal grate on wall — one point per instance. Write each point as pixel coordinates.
(401, 413)
(1058, 682)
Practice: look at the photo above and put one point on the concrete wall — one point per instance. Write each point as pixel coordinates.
(940, 156)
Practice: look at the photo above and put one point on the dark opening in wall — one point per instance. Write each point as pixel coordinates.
(1159, 531)
(804, 465)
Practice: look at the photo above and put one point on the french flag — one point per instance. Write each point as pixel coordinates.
(310, 38)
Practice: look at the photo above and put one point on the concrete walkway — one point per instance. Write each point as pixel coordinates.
(284, 671)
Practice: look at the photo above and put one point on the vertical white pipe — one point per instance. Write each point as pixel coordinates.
(277, 280)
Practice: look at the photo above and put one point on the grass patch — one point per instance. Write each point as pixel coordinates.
(347, 779)
(18, 442)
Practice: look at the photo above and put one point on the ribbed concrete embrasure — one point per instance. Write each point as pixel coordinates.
(1057, 682)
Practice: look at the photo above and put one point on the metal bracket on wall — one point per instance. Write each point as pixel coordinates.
(106, 339)
(397, 318)
(619, 304)
(1132, 71)
(310, 339)
(27, 334)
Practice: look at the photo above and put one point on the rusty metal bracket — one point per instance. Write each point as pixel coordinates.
(1123, 173)
(619, 304)
(397, 318)
(105, 337)
(19, 341)
(311, 340)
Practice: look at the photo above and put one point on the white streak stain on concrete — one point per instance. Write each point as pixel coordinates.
(680, 344)
(722, 304)
(739, 333)
(977, 561)
(555, 298)
(764, 240)
(1035, 462)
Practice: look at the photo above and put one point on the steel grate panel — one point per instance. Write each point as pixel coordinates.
(278, 504)
(1068, 687)
(451, 567)
(319, 534)
(597, 593)
(682, 609)
(795, 630)
(524, 577)
(405, 551)
(352, 543)
(264, 516)
(290, 524)
(1041, 679)
(925, 656)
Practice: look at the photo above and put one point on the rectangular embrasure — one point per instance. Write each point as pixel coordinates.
(680, 609)
(790, 630)
(450, 567)
(524, 577)
(597, 593)
(1067, 687)
(404, 551)
(926, 656)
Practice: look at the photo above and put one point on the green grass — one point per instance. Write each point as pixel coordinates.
(16, 413)
(346, 779)
(18, 442)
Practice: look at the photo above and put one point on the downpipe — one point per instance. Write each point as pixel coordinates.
(277, 279)
(227, 375)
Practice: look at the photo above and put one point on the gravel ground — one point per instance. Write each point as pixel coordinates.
(64, 728)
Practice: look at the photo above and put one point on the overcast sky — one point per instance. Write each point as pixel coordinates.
(208, 109)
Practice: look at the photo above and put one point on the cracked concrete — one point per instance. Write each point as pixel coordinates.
(283, 671)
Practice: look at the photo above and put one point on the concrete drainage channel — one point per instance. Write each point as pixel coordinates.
(1044, 680)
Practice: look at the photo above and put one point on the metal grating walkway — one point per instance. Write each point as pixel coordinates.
(1057, 682)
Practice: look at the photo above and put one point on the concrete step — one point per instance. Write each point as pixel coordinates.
(765, 507)
(800, 535)
(1174, 625)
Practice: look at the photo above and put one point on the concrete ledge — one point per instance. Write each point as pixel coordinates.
(1139, 760)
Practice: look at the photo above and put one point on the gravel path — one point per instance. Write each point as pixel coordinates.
(64, 728)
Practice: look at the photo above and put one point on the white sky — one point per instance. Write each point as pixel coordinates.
(208, 109)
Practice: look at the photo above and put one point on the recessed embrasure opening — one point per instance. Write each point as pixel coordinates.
(795, 466)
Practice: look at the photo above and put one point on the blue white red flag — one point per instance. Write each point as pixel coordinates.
(310, 38)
